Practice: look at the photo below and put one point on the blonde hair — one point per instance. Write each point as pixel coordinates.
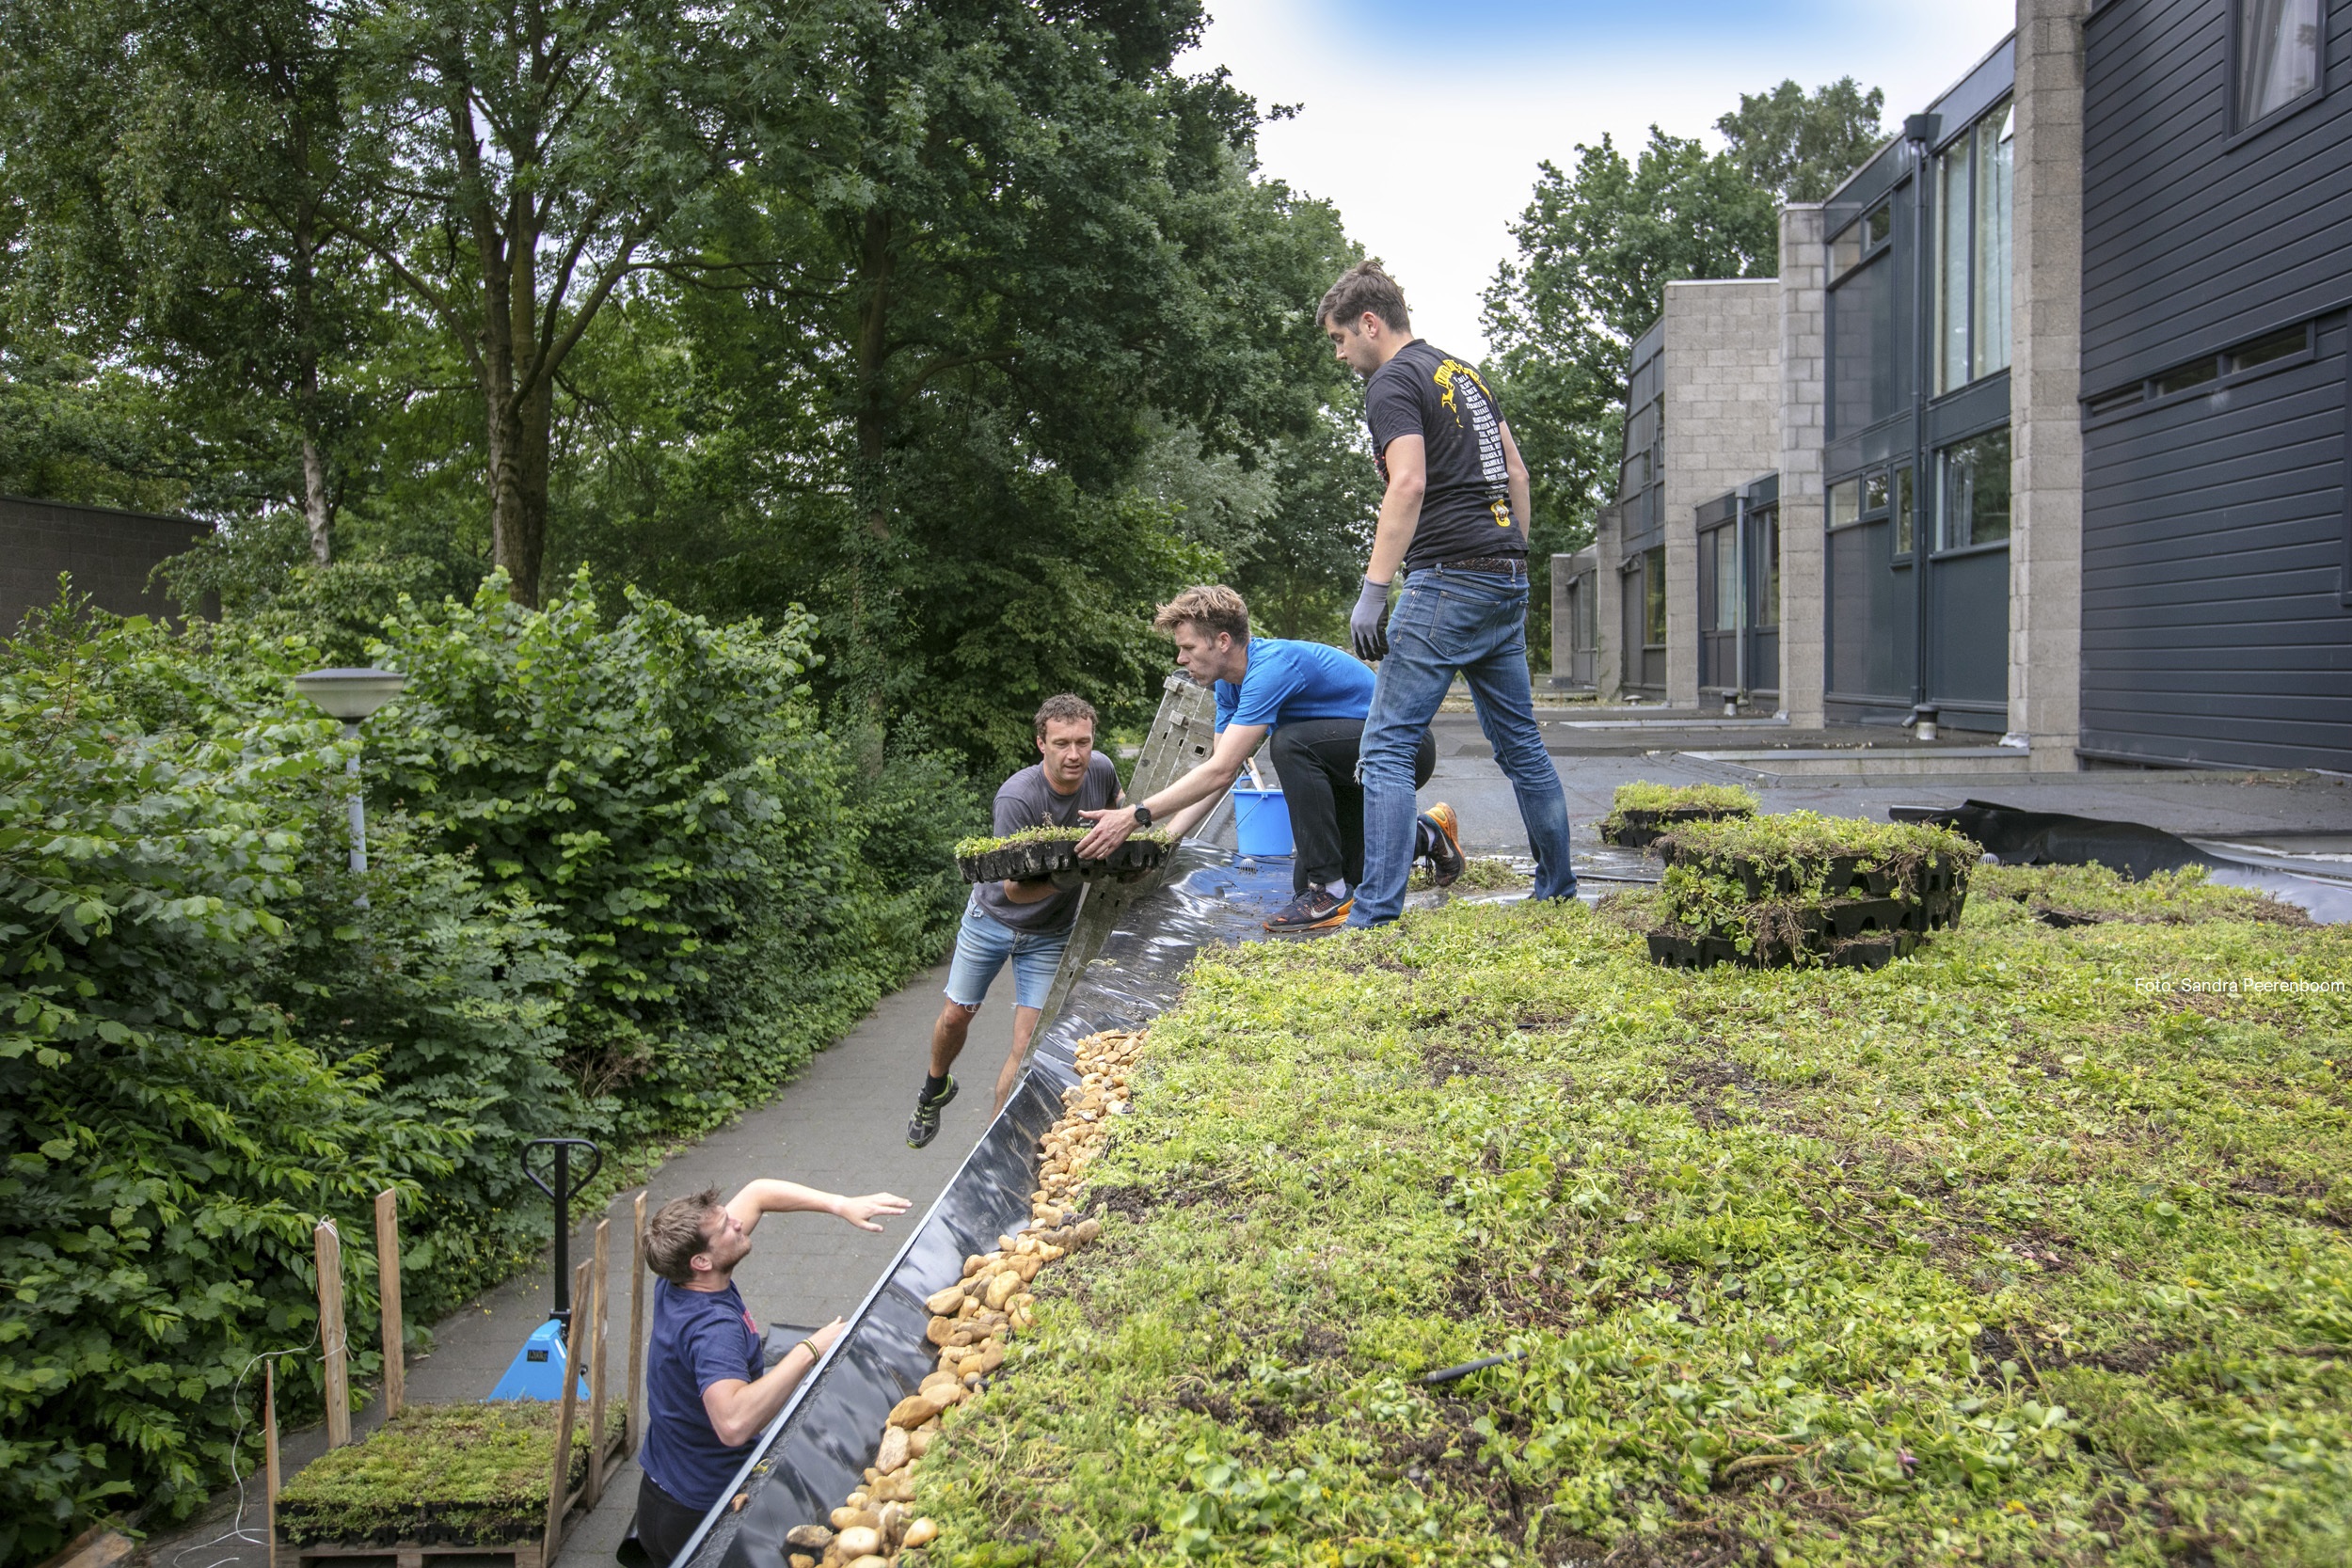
(1212, 607)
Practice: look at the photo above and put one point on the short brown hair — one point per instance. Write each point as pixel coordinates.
(1365, 286)
(679, 1229)
(1212, 607)
(1064, 707)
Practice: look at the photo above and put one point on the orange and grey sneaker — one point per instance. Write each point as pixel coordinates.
(1442, 841)
(1312, 910)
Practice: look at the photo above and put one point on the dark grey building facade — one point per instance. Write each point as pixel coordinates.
(110, 554)
(2217, 529)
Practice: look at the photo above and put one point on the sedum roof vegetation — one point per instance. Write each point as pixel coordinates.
(967, 847)
(440, 1475)
(1642, 795)
(2030, 1248)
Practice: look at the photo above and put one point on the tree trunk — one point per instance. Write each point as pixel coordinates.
(314, 497)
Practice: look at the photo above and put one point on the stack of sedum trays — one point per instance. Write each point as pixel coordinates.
(1801, 890)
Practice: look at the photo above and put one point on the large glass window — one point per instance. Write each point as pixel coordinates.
(1972, 251)
(1863, 346)
(1974, 476)
(1767, 534)
(1903, 510)
(1654, 597)
(2278, 55)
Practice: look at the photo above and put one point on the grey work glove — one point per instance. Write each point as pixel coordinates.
(1367, 623)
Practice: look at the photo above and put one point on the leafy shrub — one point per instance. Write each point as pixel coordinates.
(169, 1138)
(661, 786)
(620, 883)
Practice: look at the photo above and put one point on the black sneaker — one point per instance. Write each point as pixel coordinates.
(1442, 844)
(1311, 910)
(924, 1126)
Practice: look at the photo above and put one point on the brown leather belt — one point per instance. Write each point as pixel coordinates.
(1509, 564)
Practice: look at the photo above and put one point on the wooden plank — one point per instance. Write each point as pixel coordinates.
(388, 1290)
(632, 1418)
(560, 1470)
(269, 1456)
(597, 1286)
(95, 1547)
(333, 1348)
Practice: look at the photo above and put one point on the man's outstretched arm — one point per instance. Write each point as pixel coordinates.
(1200, 787)
(786, 1197)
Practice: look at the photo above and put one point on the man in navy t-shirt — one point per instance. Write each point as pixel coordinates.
(708, 1390)
(1312, 700)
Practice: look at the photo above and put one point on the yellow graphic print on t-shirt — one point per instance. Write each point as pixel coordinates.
(1453, 376)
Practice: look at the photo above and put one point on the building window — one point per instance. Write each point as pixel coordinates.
(2278, 55)
(1903, 510)
(1767, 536)
(1724, 551)
(1972, 253)
(1844, 502)
(1974, 476)
(1654, 597)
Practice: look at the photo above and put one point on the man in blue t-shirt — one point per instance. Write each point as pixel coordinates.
(1312, 700)
(708, 1390)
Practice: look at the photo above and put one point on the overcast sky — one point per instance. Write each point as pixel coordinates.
(1423, 122)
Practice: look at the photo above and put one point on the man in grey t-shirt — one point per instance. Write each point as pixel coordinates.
(1026, 924)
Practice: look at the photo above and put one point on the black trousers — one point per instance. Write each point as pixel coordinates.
(664, 1525)
(1316, 759)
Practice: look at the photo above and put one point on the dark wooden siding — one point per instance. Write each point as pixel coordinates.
(2215, 624)
(2191, 243)
(2214, 629)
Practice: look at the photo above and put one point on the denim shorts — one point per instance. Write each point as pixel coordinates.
(983, 943)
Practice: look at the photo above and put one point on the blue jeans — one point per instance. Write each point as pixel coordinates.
(1474, 622)
(984, 944)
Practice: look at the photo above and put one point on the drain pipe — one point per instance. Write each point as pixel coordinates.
(1919, 130)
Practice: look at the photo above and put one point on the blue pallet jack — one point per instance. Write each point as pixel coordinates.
(538, 1371)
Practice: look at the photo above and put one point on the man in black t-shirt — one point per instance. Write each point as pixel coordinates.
(1453, 516)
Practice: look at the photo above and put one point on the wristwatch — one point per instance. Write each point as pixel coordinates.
(1143, 815)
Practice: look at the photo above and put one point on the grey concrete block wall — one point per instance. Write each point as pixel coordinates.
(1804, 351)
(2045, 655)
(1722, 429)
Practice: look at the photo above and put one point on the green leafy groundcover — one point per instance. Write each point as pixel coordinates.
(2029, 1248)
(440, 1475)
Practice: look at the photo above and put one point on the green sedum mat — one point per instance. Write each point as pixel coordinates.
(438, 1475)
(2029, 1248)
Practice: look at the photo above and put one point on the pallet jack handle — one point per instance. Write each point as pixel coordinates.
(563, 1189)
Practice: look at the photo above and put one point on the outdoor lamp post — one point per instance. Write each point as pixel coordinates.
(351, 695)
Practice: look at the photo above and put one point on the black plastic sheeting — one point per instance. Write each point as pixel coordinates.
(815, 1453)
(2018, 837)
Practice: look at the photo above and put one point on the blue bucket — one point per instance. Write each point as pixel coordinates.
(1261, 822)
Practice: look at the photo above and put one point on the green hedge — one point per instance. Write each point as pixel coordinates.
(620, 881)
